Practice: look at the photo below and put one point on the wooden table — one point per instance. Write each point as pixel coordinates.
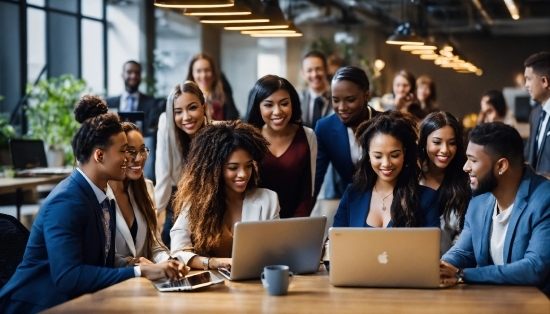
(17, 185)
(308, 294)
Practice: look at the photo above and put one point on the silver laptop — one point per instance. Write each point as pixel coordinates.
(295, 242)
(380, 257)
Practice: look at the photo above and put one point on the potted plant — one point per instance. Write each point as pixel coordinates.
(7, 132)
(50, 117)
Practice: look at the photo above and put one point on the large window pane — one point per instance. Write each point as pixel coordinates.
(10, 56)
(65, 5)
(37, 2)
(36, 43)
(92, 55)
(62, 45)
(92, 8)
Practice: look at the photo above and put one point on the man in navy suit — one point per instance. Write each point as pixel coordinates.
(350, 97)
(133, 100)
(537, 82)
(71, 248)
(507, 227)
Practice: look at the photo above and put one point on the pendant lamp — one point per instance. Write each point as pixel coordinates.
(194, 3)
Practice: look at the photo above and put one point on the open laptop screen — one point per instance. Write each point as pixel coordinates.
(27, 154)
(136, 117)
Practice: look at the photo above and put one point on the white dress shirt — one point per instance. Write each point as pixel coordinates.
(354, 148)
(542, 136)
(124, 106)
(498, 233)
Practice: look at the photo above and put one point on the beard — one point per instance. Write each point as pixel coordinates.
(485, 184)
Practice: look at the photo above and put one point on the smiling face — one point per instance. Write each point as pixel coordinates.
(441, 147)
(135, 164)
(276, 110)
(349, 102)
(480, 168)
(401, 87)
(203, 74)
(313, 71)
(188, 113)
(536, 85)
(131, 75)
(114, 158)
(387, 156)
(237, 171)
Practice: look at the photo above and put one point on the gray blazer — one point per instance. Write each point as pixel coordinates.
(543, 161)
(305, 98)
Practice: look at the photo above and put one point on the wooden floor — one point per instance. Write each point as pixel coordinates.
(308, 294)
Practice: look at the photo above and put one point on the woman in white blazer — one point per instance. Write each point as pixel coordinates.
(289, 166)
(185, 115)
(218, 188)
(136, 225)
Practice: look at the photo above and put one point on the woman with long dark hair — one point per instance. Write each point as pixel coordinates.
(204, 72)
(442, 155)
(218, 188)
(289, 166)
(136, 223)
(185, 115)
(385, 191)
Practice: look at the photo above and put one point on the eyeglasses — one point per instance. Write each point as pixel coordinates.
(144, 152)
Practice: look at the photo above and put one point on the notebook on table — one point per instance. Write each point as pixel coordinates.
(29, 159)
(295, 242)
(385, 257)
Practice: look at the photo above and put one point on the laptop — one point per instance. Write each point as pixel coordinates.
(295, 242)
(29, 159)
(384, 257)
(136, 117)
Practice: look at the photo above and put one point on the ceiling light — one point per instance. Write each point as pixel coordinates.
(512, 8)
(404, 35)
(237, 9)
(292, 31)
(429, 57)
(479, 72)
(379, 64)
(194, 3)
(418, 47)
(422, 52)
(278, 35)
(255, 27)
(277, 31)
(235, 20)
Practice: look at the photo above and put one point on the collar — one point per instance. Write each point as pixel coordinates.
(97, 191)
(546, 106)
(135, 94)
(315, 95)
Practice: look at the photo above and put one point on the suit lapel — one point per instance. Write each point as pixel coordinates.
(251, 210)
(142, 224)
(542, 144)
(519, 205)
(341, 147)
(121, 225)
(486, 225)
(532, 141)
(359, 209)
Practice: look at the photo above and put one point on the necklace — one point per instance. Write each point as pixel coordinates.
(383, 198)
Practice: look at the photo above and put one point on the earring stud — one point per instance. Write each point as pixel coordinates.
(500, 173)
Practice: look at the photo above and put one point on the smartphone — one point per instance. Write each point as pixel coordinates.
(188, 283)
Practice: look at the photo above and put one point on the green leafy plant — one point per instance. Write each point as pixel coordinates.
(7, 131)
(50, 112)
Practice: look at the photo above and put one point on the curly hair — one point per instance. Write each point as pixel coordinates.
(201, 188)
(145, 204)
(454, 192)
(405, 209)
(97, 127)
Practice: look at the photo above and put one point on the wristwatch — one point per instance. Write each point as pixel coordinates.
(460, 275)
(205, 263)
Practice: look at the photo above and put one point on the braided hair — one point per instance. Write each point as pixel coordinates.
(405, 209)
(97, 127)
(201, 188)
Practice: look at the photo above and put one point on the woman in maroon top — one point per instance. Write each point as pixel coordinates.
(289, 167)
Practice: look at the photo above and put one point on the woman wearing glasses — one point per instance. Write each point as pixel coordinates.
(136, 234)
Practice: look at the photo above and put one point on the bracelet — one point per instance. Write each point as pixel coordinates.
(206, 263)
(460, 275)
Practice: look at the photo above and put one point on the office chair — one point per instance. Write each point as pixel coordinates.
(13, 241)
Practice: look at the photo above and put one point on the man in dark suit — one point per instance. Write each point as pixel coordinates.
(315, 99)
(132, 100)
(507, 227)
(537, 82)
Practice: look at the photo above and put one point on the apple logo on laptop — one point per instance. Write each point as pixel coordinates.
(383, 258)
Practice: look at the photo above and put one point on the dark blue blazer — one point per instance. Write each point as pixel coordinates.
(333, 147)
(65, 254)
(526, 244)
(354, 208)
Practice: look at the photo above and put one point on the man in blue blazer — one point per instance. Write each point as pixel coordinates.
(333, 144)
(71, 248)
(507, 228)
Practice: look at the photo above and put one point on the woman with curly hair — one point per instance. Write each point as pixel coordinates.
(442, 155)
(218, 188)
(385, 191)
(185, 115)
(136, 222)
(289, 166)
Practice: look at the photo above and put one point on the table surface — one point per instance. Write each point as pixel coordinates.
(10, 185)
(308, 294)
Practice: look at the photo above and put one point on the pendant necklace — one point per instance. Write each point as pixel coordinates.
(383, 198)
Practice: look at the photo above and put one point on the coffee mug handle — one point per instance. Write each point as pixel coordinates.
(264, 282)
(290, 275)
